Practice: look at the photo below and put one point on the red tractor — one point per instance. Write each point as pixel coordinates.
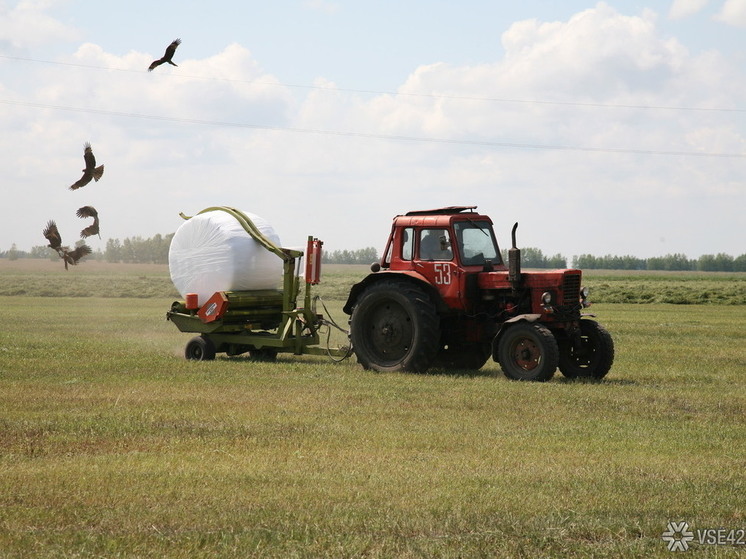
(443, 297)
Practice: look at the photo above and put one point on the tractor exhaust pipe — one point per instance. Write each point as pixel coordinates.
(514, 262)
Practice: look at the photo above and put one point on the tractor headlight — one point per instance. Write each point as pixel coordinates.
(584, 292)
(547, 299)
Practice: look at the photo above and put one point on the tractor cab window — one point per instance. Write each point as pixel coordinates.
(387, 256)
(407, 244)
(477, 243)
(435, 244)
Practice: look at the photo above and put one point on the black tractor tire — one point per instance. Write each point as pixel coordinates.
(395, 327)
(467, 357)
(593, 356)
(528, 351)
(200, 348)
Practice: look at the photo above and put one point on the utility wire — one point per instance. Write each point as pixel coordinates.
(484, 143)
(398, 93)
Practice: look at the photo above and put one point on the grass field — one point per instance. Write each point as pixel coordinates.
(112, 445)
(42, 278)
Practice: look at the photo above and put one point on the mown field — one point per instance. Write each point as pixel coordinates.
(113, 445)
(36, 277)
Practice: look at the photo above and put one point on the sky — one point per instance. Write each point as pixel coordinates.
(603, 128)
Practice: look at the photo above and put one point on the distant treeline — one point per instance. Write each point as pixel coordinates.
(672, 262)
(360, 256)
(135, 250)
(534, 258)
(154, 250)
(138, 250)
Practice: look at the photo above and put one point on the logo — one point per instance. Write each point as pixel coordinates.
(678, 536)
(211, 309)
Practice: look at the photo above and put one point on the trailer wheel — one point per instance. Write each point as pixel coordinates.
(592, 355)
(469, 357)
(394, 327)
(200, 348)
(528, 351)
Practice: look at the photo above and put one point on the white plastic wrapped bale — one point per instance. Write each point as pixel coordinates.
(212, 252)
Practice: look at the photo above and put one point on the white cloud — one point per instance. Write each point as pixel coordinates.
(684, 8)
(733, 13)
(598, 57)
(27, 24)
(597, 48)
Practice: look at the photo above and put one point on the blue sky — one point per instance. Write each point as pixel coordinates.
(366, 45)
(602, 128)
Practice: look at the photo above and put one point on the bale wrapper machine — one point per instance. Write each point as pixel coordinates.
(262, 322)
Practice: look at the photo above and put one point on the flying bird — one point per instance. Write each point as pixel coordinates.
(89, 211)
(167, 57)
(72, 256)
(90, 171)
(53, 235)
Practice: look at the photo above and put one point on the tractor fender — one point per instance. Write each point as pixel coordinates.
(375, 277)
(505, 325)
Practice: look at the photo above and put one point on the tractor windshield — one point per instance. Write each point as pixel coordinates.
(477, 243)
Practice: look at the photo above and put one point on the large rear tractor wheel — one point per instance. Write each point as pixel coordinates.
(528, 351)
(591, 355)
(394, 327)
(200, 348)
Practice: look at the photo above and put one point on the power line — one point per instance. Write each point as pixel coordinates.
(585, 104)
(394, 137)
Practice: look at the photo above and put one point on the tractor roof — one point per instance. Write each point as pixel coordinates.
(449, 210)
(439, 217)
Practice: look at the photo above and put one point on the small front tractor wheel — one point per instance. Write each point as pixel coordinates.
(590, 355)
(200, 348)
(394, 327)
(528, 351)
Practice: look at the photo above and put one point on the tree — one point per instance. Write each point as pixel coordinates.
(41, 251)
(557, 261)
(113, 251)
(533, 258)
(715, 263)
(360, 256)
(585, 262)
(670, 262)
(13, 253)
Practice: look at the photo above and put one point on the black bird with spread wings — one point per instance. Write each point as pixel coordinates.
(167, 57)
(90, 171)
(72, 256)
(53, 235)
(89, 211)
(68, 256)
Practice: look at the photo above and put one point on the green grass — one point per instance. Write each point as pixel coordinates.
(678, 288)
(42, 278)
(112, 445)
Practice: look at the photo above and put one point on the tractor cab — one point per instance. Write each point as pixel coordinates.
(455, 234)
(447, 248)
